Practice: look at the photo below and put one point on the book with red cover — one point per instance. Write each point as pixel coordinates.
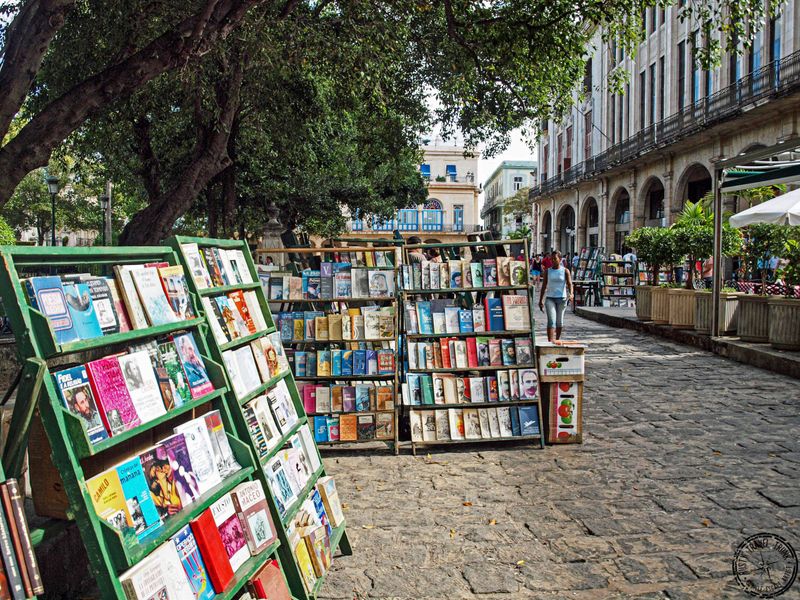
(445, 350)
(310, 398)
(241, 305)
(111, 394)
(269, 584)
(472, 352)
(212, 549)
(495, 353)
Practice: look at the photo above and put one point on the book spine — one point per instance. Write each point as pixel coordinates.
(16, 540)
(9, 561)
(27, 546)
(219, 570)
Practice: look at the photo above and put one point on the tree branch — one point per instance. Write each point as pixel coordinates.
(151, 168)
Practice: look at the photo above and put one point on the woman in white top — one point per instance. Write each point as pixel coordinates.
(556, 292)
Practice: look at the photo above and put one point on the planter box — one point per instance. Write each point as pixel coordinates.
(754, 318)
(681, 308)
(784, 323)
(728, 306)
(644, 302)
(659, 305)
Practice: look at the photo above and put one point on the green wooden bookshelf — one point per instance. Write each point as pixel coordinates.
(467, 297)
(110, 552)
(339, 538)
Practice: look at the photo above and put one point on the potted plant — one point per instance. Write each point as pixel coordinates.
(654, 246)
(784, 313)
(763, 241)
(728, 307)
(660, 302)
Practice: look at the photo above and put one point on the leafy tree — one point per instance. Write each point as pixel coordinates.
(656, 247)
(7, 237)
(762, 242)
(696, 241)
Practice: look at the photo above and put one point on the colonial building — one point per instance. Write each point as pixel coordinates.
(451, 209)
(621, 161)
(508, 178)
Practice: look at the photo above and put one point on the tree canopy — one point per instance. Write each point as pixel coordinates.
(207, 111)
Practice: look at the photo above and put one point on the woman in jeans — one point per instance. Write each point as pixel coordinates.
(556, 291)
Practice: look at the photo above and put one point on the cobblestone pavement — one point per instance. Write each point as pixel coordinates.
(686, 454)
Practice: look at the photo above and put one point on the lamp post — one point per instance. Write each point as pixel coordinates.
(52, 187)
(104, 201)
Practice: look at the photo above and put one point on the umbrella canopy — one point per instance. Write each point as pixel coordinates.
(783, 210)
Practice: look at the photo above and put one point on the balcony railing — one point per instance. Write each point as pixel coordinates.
(416, 220)
(775, 79)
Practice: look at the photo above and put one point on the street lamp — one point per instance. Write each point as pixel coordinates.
(52, 187)
(104, 201)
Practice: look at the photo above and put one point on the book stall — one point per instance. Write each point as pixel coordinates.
(585, 280)
(618, 283)
(470, 372)
(561, 374)
(338, 313)
(126, 370)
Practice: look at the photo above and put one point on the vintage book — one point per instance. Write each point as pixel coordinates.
(268, 582)
(348, 428)
(492, 392)
(489, 272)
(180, 462)
(456, 418)
(472, 424)
(434, 275)
(425, 317)
(119, 305)
(519, 274)
(528, 384)
(178, 585)
(108, 499)
(516, 429)
(324, 363)
(508, 352)
(372, 323)
(15, 587)
(476, 272)
(478, 319)
(212, 549)
(130, 296)
(151, 295)
(201, 453)
(173, 280)
(231, 531)
(513, 380)
(14, 507)
(495, 352)
(451, 318)
(363, 397)
(141, 507)
(472, 352)
(76, 395)
(194, 566)
(253, 512)
(223, 454)
(381, 283)
(522, 348)
(145, 581)
(384, 426)
(360, 281)
(161, 481)
(239, 262)
(304, 563)
(503, 271)
(319, 547)
(232, 321)
(503, 386)
(456, 276)
(279, 482)
(366, 427)
(494, 423)
(213, 267)
(504, 418)
(282, 407)
(483, 416)
(330, 498)
(81, 309)
(245, 321)
(229, 266)
(476, 390)
(197, 266)
(193, 367)
(140, 379)
(254, 429)
(103, 303)
(493, 308)
(461, 354)
(170, 362)
(254, 308)
(276, 356)
(443, 426)
(429, 425)
(260, 360)
(218, 325)
(465, 321)
(333, 429)
(321, 429)
(242, 370)
(415, 423)
(384, 397)
(266, 421)
(515, 313)
(117, 411)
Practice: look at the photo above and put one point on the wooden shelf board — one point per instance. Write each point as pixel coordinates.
(246, 339)
(263, 387)
(295, 508)
(224, 289)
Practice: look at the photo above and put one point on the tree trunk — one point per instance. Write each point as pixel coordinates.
(211, 212)
(32, 146)
(228, 177)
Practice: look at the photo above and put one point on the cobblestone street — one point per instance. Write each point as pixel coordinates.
(686, 454)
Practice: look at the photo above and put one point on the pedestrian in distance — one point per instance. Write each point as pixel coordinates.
(556, 293)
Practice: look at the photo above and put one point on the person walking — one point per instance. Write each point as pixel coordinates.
(415, 255)
(556, 293)
(536, 269)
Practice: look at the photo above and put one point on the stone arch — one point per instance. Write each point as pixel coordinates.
(567, 229)
(619, 221)
(651, 203)
(694, 183)
(546, 232)
(590, 223)
(433, 204)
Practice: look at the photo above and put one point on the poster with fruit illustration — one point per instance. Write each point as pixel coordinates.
(560, 363)
(566, 408)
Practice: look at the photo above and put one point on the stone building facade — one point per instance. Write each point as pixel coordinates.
(622, 161)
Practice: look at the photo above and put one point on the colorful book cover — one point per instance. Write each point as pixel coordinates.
(465, 320)
(381, 284)
(348, 428)
(161, 481)
(46, 294)
(333, 429)
(494, 314)
(362, 397)
(130, 296)
(359, 362)
(523, 351)
(489, 272)
(503, 271)
(173, 280)
(223, 454)
(76, 394)
(201, 453)
(529, 420)
(197, 266)
(119, 306)
(108, 500)
(103, 303)
(253, 512)
(425, 317)
(193, 564)
(111, 394)
(516, 313)
(386, 362)
(141, 507)
(151, 294)
(81, 309)
(240, 303)
(233, 322)
(171, 363)
(509, 352)
(321, 429)
(177, 452)
(140, 379)
(193, 367)
(476, 272)
(528, 384)
(366, 427)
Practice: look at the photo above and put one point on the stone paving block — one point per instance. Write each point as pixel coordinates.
(654, 568)
(484, 578)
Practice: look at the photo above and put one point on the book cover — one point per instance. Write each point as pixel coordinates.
(201, 453)
(282, 407)
(478, 319)
(245, 320)
(229, 266)
(16, 589)
(333, 429)
(503, 271)
(348, 428)
(212, 553)
(472, 424)
(508, 352)
(504, 418)
(425, 317)
(140, 379)
(359, 362)
(456, 417)
(503, 387)
(81, 309)
(173, 281)
(515, 313)
(319, 547)
(76, 395)
(381, 283)
(451, 318)
(253, 512)
(108, 499)
(384, 426)
(161, 481)
(476, 272)
(145, 581)
(516, 428)
(426, 382)
(268, 582)
(519, 274)
(103, 303)
(119, 305)
(493, 308)
(239, 262)
(472, 352)
(117, 411)
(152, 297)
(180, 462)
(465, 320)
(492, 392)
(266, 421)
(489, 272)
(343, 284)
(476, 390)
(142, 509)
(127, 288)
(324, 363)
(279, 482)
(233, 323)
(321, 429)
(522, 348)
(213, 267)
(461, 354)
(435, 275)
(495, 352)
(304, 563)
(46, 294)
(528, 384)
(529, 420)
(362, 400)
(443, 425)
(223, 454)
(218, 325)
(188, 551)
(348, 398)
(171, 364)
(513, 380)
(193, 367)
(494, 423)
(231, 531)
(254, 430)
(197, 266)
(330, 499)
(483, 415)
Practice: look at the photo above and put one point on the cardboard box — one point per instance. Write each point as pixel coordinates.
(561, 363)
(564, 412)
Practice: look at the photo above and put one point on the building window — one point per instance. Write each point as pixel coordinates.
(642, 101)
(661, 88)
(681, 75)
(653, 94)
(652, 15)
(775, 39)
(450, 170)
(612, 118)
(568, 153)
(695, 68)
(709, 72)
(560, 156)
(644, 23)
(734, 61)
(587, 135)
(546, 161)
(425, 171)
(517, 182)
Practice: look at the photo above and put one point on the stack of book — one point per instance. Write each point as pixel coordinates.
(19, 573)
(465, 274)
(457, 424)
(312, 530)
(510, 312)
(354, 427)
(142, 492)
(446, 388)
(216, 267)
(116, 393)
(202, 559)
(342, 363)
(354, 324)
(269, 418)
(364, 397)
(291, 469)
(332, 281)
(234, 315)
(83, 306)
(470, 353)
(252, 365)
